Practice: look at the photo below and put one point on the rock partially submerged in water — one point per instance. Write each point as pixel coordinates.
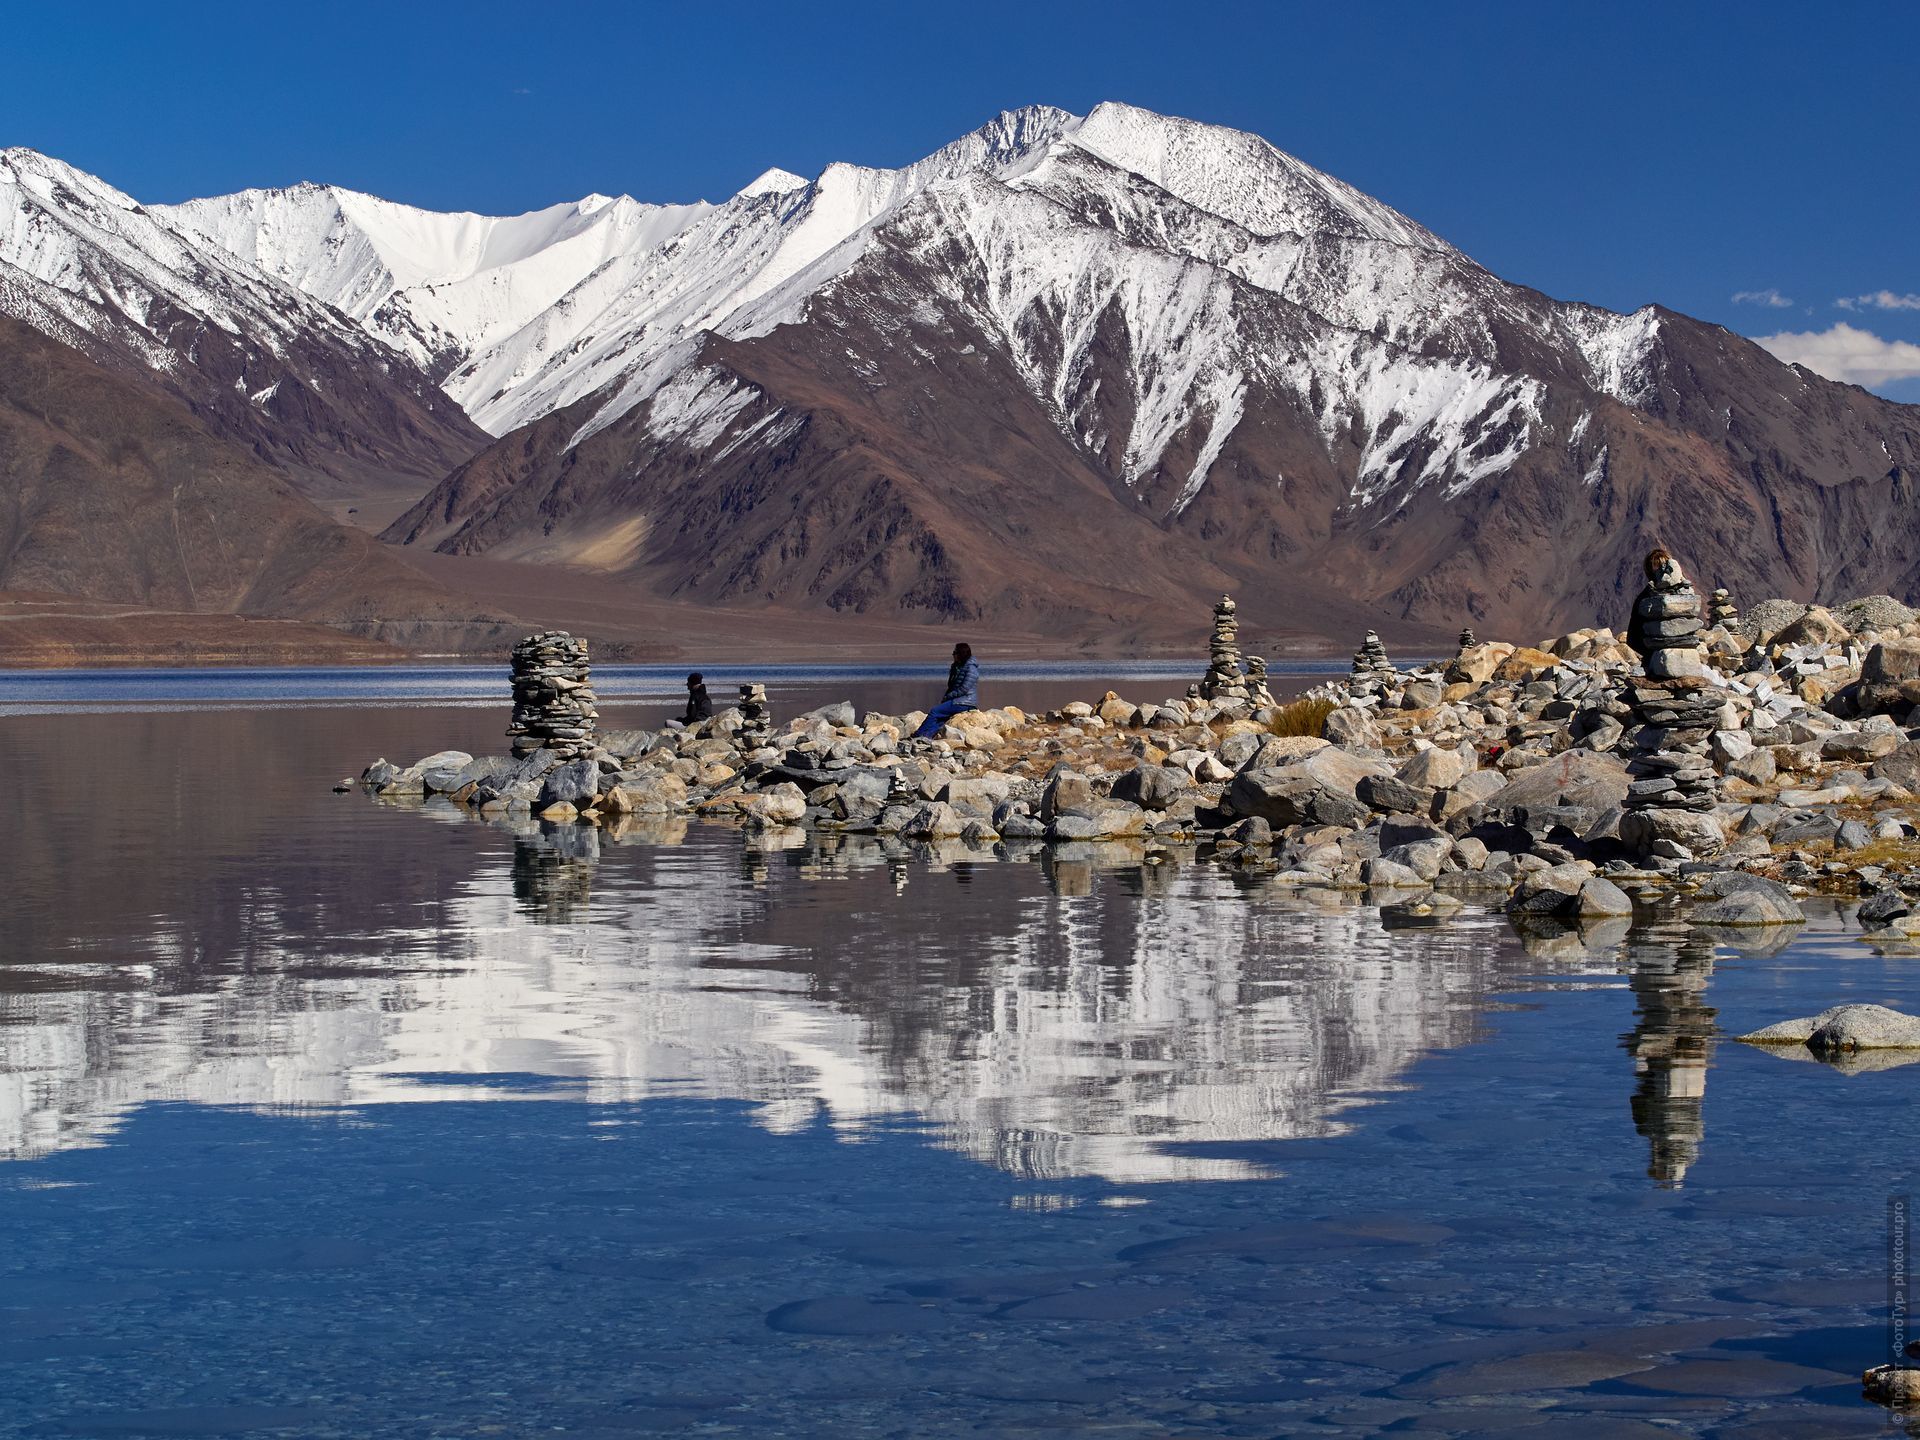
(1842, 1029)
(1897, 1386)
(1732, 897)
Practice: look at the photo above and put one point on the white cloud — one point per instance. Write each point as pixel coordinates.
(1769, 297)
(1844, 353)
(1880, 300)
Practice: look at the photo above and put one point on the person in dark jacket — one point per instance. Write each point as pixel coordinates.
(699, 705)
(963, 693)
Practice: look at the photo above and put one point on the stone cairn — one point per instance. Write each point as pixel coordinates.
(1674, 704)
(1666, 623)
(1370, 661)
(1467, 642)
(552, 696)
(1721, 611)
(1223, 680)
(756, 721)
(900, 792)
(1257, 691)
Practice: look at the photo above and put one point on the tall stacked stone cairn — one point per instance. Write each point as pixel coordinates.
(756, 720)
(1721, 611)
(1370, 660)
(552, 696)
(1224, 680)
(1675, 710)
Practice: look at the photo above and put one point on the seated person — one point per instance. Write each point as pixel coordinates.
(699, 705)
(963, 693)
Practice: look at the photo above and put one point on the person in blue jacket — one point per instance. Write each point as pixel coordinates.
(963, 693)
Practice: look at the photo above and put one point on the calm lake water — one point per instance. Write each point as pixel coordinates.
(327, 1118)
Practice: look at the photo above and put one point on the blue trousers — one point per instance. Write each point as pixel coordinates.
(939, 716)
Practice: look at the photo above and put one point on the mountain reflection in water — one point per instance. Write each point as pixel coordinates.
(1058, 1012)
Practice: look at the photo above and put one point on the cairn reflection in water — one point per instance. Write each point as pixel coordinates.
(1671, 1043)
(1074, 1012)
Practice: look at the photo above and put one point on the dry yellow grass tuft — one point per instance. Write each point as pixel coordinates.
(1301, 717)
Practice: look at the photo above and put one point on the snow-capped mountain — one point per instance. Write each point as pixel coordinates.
(1066, 370)
(1072, 366)
(437, 288)
(263, 364)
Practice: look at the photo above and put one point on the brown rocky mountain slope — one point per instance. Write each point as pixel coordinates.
(870, 467)
(111, 491)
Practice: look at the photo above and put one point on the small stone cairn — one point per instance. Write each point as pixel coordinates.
(1370, 661)
(1673, 704)
(1257, 691)
(1721, 611)
(1224, 680)
(1467, 642)
(553, 696)
(756, 720)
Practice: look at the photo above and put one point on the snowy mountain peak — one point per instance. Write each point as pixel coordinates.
(1061, 233)
(772, 182)
(39, 174)
(1240, 177)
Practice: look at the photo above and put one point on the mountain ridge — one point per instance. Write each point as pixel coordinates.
(1078, 371)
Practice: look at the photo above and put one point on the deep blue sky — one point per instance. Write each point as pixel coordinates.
(1617, 153)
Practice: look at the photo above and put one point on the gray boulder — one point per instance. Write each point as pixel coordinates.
(441, 760)
(1151, 787)
(1423, 856)
(1901, 766)
(1601, 899)
(1883, 909)
(978, 794)
(1434, 769)
(1394, 795)
(1105, 820)
(1067, 793)
(1852, 835)
(1552, 891)
(1585, 778)
(576, 783)
(1735, 898)
(1350, 726)
(937, 821)
(1289, 795)
(1237, 750)
(625, 743)
(658, 792)
(1384, 874)
(781, 804)
(1476, 787)
(839, 714)
(1858, 745)
(1421, 694)
(1666, 831)
(1756, 767)
(1844, 1027)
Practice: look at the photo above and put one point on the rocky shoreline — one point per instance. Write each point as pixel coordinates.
(1731, 765)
